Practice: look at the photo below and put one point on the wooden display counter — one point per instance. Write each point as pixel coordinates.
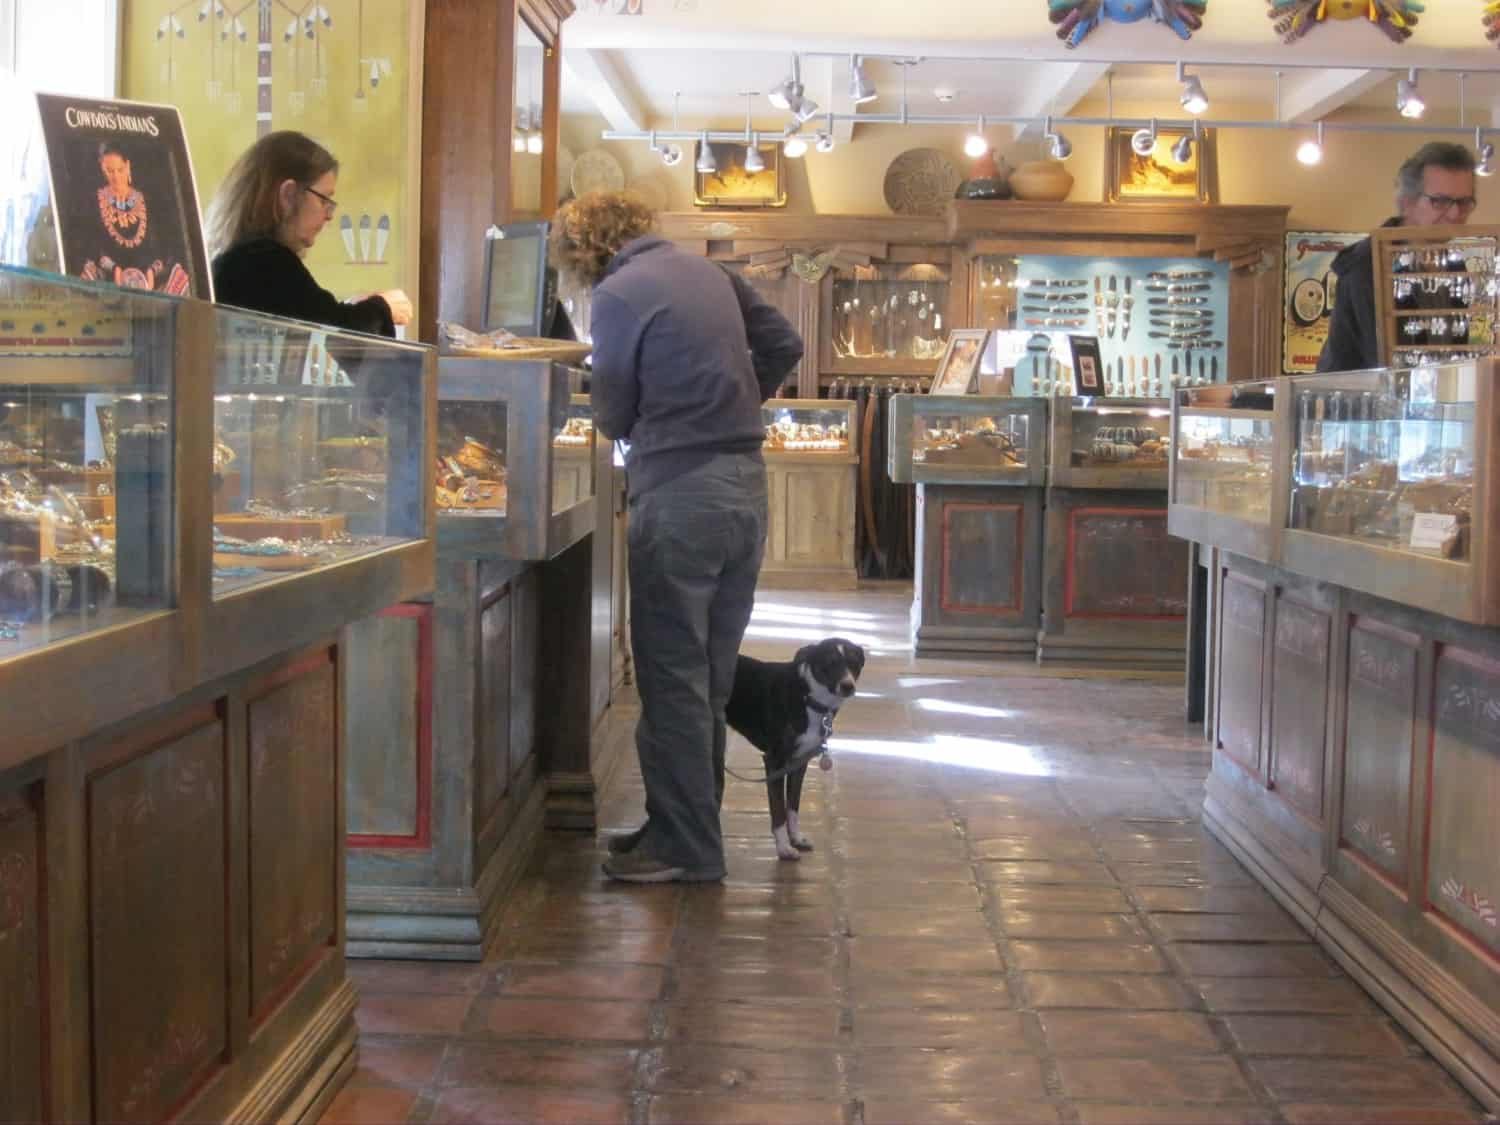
(812, 457)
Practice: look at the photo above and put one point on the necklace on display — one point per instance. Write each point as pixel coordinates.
(120, 215)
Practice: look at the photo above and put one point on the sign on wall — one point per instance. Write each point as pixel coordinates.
(123, 194)
(1307, 295)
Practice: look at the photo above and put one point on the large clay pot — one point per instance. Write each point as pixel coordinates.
(1042, 181)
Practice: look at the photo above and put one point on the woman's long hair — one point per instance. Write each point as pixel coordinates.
(246, 205)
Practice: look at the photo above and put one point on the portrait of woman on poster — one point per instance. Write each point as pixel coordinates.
(130, 252)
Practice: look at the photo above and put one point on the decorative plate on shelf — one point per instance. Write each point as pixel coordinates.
(920, 182)
(596, 170)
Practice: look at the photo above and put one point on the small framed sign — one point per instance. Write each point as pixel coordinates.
(960, 364)
(1088, 367)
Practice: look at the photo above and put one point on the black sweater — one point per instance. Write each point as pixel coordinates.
(263, 275)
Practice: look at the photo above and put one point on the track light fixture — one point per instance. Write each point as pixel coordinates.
(824, 143)
(787, 94)
(1057, 144)
(706, 164)
(976, 146)
(794, 147)
(671, 154)
(1484, 154)
(1409, 101)
(1194, 98)
(861, 89)
(1143, 141)
(1182, 151)
(754, 162)
(1310, 151)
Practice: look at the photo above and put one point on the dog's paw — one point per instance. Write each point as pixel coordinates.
(785, 848)
(801, 843)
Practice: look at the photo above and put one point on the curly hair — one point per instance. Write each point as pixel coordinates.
(589, 231)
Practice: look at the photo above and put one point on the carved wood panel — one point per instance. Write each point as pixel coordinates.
(1121, 563)
(294, 847)
(1299, 705)
(1378, 731)
(525, 623)
(492, 765)
(982, 557)
(1463, 863)
(388, 672)
(157, 894)
(815, 516)
(1241, 656)
(23, 1001)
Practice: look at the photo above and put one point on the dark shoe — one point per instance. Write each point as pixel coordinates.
(626, 841)
(639, 867)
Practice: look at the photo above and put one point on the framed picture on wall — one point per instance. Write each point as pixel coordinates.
(1159, 177)
(732, 185)
(1088, 366)
(1308, 286)
(956, 374)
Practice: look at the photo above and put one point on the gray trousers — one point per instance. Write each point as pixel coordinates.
(695, 549)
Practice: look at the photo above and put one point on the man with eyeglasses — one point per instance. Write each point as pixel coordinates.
(1435, 186)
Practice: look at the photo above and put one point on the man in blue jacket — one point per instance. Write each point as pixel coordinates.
(684, 354)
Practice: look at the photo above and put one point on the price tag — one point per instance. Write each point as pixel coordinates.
(1430, 530)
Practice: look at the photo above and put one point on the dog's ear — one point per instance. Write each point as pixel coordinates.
(854, 656)
(804, 655)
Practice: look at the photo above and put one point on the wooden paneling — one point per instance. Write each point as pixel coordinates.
(982, 557)
(816, 514)
(1463, 827)
(389, 656)
(1121, 563)
(23, 1002)
(157, 900)
(525, 623)
(1379, 728)
(1241, 656)
(292, 730)
(1299, 705)
(492, 738)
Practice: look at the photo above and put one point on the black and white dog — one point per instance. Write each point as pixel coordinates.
(786, 711)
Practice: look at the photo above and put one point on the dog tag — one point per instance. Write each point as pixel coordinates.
(826, 761)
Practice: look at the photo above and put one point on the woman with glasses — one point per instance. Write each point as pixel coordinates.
(1435, 186)
(269, 211)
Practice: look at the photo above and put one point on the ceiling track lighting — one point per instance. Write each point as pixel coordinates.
(861, 89)
(1143, 141)
(1057, 144)
(1484, 154)
(1182, 151)
(671, 154)
(824, 142)
(1409, 101)
(788, 95)
(754, 162)
(1194, 98)
(976, 145)
(1310, 151)
(706, 164)
(794, 147)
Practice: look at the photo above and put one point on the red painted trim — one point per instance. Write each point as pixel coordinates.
(1358, 857)
(272, 1003)
(1069, 567)
(1014, 605)
(293, 671)
(422, 838)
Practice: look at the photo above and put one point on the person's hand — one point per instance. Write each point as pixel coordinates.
(400, 305)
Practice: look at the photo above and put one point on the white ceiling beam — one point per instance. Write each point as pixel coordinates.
(1309, 95)
(1060, 87)
(599, 74)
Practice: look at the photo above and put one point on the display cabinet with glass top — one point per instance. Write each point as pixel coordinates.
(812, 458)
(968, 439)
(886, 318)
(1391, 475)
(1226, 464)
(1110, 443)
(515, 458)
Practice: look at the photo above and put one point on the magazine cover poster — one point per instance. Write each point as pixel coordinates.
(123, 193)
(1308, 297)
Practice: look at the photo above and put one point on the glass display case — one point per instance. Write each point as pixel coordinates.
(1387, 471)
(887, 318)
(1110, 443)
(959, 439)
(515, 458)
(317, 440)
(87, 438)
(1225, 464)
(1438, 293)
(811, 428)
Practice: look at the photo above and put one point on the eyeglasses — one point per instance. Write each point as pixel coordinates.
(1464, 203)
(331, 205)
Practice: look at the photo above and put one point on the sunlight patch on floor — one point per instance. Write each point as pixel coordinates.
(953, 707)
(952, 750)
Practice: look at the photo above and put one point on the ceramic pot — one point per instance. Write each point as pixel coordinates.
(1043, 181)
(986, 188)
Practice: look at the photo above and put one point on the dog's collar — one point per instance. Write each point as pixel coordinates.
(814, 705)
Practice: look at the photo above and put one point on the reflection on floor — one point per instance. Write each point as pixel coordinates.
(1012, 915)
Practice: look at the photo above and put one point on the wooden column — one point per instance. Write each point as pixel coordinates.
(468, 105)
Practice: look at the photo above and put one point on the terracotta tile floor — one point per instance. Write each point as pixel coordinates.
(1012, 915)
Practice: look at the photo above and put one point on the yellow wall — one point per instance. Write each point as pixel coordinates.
(1350, 190)
(315, 83)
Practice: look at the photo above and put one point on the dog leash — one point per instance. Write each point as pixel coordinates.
(825, 762)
